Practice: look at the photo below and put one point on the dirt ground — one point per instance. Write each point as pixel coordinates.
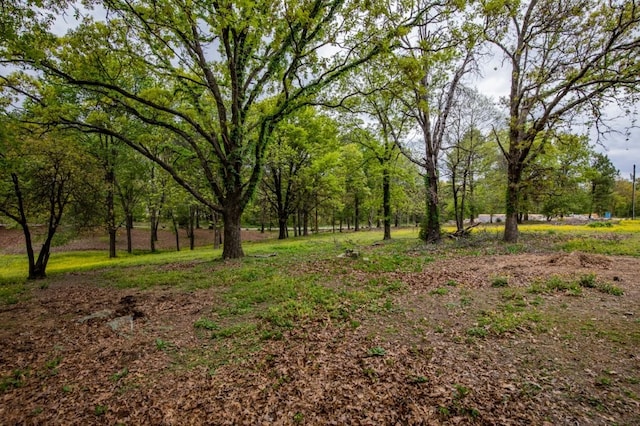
(414, 364)
(12, 240)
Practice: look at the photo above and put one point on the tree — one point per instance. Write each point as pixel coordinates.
(106, 151)
(602, 177)
(297, 142)
(437, 57)
(355, 183)
(565, 58)
(217, 76)
(468, 153)
(130, 185)
(41, 175)
(557, 179)
(387, 125)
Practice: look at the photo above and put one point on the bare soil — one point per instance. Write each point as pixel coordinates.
(416, 363)
(12, 240)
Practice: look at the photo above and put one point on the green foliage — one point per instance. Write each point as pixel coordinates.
(52, 365)
(376, 351)
(163, 100)
(556, 283)
(600, 225)
(602, 178)
(40, 179)
(11, 293)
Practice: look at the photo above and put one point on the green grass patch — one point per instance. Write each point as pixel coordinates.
(15, 380)
(11, 293)
(236, 330)
(500, 282)
(556, 284)
(385, 262)
(206, 324)
(612, 243)
(440, 291)
(600, 225)
(517, 314)
(588, 281)
(610, 289)
(504, 321)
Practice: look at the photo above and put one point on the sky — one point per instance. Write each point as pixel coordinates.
(621, 146)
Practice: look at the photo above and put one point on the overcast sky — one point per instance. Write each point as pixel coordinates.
(622, 146)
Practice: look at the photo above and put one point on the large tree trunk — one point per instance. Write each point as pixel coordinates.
(22, 220)
(37, 269)
(153, 235)
(232, 245)
(432, 231)
(512, 204)
(282, 227)
(295, 223)
(315, 226)
(386, 203)
(30, 254)
(40, 267)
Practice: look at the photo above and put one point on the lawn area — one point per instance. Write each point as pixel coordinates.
(332, 329)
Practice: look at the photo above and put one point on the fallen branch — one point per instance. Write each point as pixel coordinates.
(463, 233)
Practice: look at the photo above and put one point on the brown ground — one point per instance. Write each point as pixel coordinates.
(579, 366)
(12, 240)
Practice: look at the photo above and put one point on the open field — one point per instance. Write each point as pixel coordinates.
(473, 331)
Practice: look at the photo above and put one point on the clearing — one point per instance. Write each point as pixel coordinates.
(475, 331)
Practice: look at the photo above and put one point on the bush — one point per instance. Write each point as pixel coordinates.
(600, 225)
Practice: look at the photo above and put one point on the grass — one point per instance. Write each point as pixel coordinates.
(556, 284)
(500, 282)
(15, 380)
(306, 286)
(261, 296)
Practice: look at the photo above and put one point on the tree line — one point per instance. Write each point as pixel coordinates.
(307, 113)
